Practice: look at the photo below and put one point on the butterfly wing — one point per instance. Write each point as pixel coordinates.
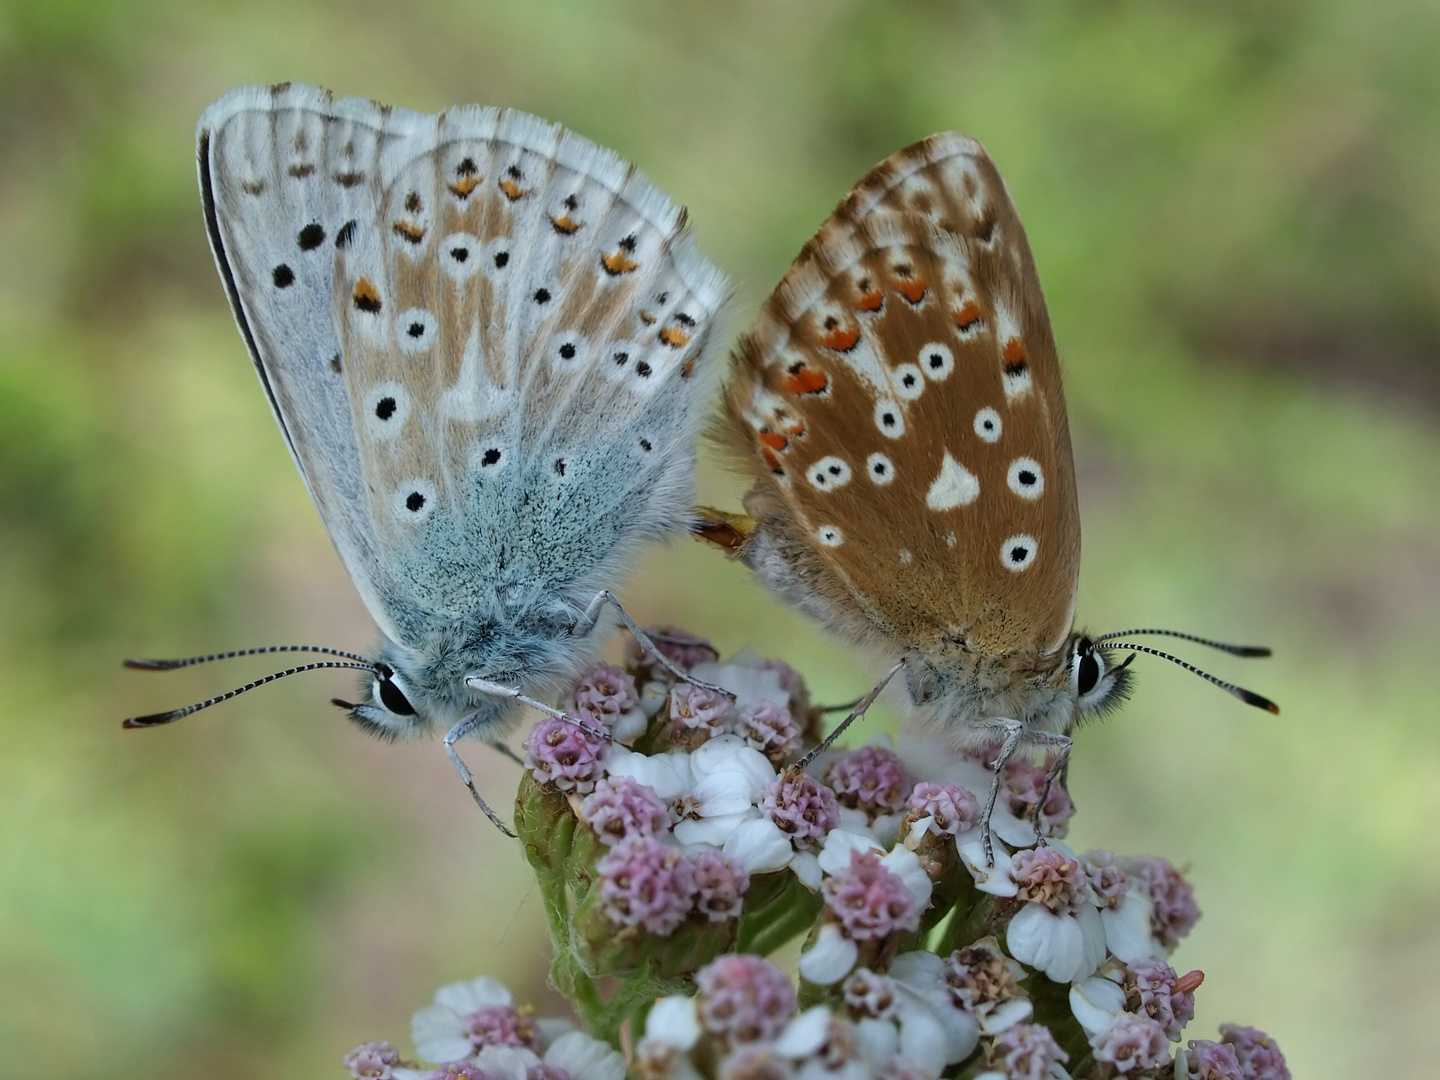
(480, 335)
(900, 400)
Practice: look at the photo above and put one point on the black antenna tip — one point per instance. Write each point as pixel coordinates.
(1252, 698)
(341, 703)
(154, 719)
(150, 665)
(1252, 650)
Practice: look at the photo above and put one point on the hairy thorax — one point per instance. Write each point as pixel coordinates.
(963, 693)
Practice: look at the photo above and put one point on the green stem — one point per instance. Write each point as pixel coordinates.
(793, 916)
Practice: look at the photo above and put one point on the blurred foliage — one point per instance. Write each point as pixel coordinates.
(1232, 209)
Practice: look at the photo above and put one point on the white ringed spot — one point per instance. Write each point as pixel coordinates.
(937, 361)
(829, 535)
(889, 419)
(1018, 552)
(906, 557)
(1025, 478)
(498, 257)
(829, 473)
(413, 500)
(486, 458)
(387, 406)
(908, 382)
(415, 331)
(880, 468)
(988, 425)
(460, 256)
(955, 486)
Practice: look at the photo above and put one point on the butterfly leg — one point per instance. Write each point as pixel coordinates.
(485, 686)
(587, 622)
(857, 711)
(1060, 770)
(459, 731)
(1013, 731)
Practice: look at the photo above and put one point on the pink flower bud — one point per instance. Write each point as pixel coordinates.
(802, 808)
(870, 901)
(502, 1025)
(1107, 880)
(720, 885)
(871, 779)
(607, 693)
(954, 809)
(769, 728)
(699, 709)
(565, 755)
(744, 998)
(646, 883)
(981, 978)
(1025, 1052)
(1153, 989)
(1206, 1060)
(1131, 1043)
(372, 1061)
(1259, 1057)
(621, 807)
(1173, 911)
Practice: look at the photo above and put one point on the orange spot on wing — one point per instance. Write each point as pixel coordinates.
(408, 231)
(565, 224)
(1014, 351)
(796, 428)
(512, 190)
(773, 439)
(913, 289)
(806, 380)
(647, 318)
(968, 315)
(674, 337)
(841, 339)
(873, 300)
(771, 461)
(618, 262)
(462, 188)
(367, 297)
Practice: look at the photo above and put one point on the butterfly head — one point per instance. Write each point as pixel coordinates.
(1096, 683)
(406, 695)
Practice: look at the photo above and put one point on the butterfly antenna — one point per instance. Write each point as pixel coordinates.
(156, 719)
(171, 665)
(1247, 696)
(1233, 650)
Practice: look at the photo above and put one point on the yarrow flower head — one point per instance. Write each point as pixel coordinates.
(699, 709)
(620, 807)
(744, 999)
(869, 900)
(952, 808)
(1024, 1052)
(608, 693)
(468, 1016)
(565, 755)
(1173, 911)
(1025, 783)
(720, 885)
(1207, 1060)
(372, 1061)
(646, 883)
(1259, 1057)
(1131, 1043)
(1058, 930)
(984, 981)
(802, 808)
(769, 728)
(872, 779)
(1153, 989)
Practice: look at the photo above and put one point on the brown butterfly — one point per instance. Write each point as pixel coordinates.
(899, 404)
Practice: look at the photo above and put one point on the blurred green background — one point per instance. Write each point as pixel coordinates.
(1233, 207)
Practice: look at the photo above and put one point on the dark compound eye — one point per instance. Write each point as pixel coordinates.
(392, 697)
(1088, 673)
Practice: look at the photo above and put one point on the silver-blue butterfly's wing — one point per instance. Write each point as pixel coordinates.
(481, 334)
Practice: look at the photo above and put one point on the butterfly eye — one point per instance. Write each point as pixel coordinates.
(1087, 672)
(390, 694)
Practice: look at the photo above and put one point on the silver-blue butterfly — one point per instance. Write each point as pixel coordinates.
(486, 341)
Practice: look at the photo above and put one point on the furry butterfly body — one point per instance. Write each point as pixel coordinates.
(484, 339)
(899, 405)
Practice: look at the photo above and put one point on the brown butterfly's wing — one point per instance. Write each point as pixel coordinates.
(899, 400)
